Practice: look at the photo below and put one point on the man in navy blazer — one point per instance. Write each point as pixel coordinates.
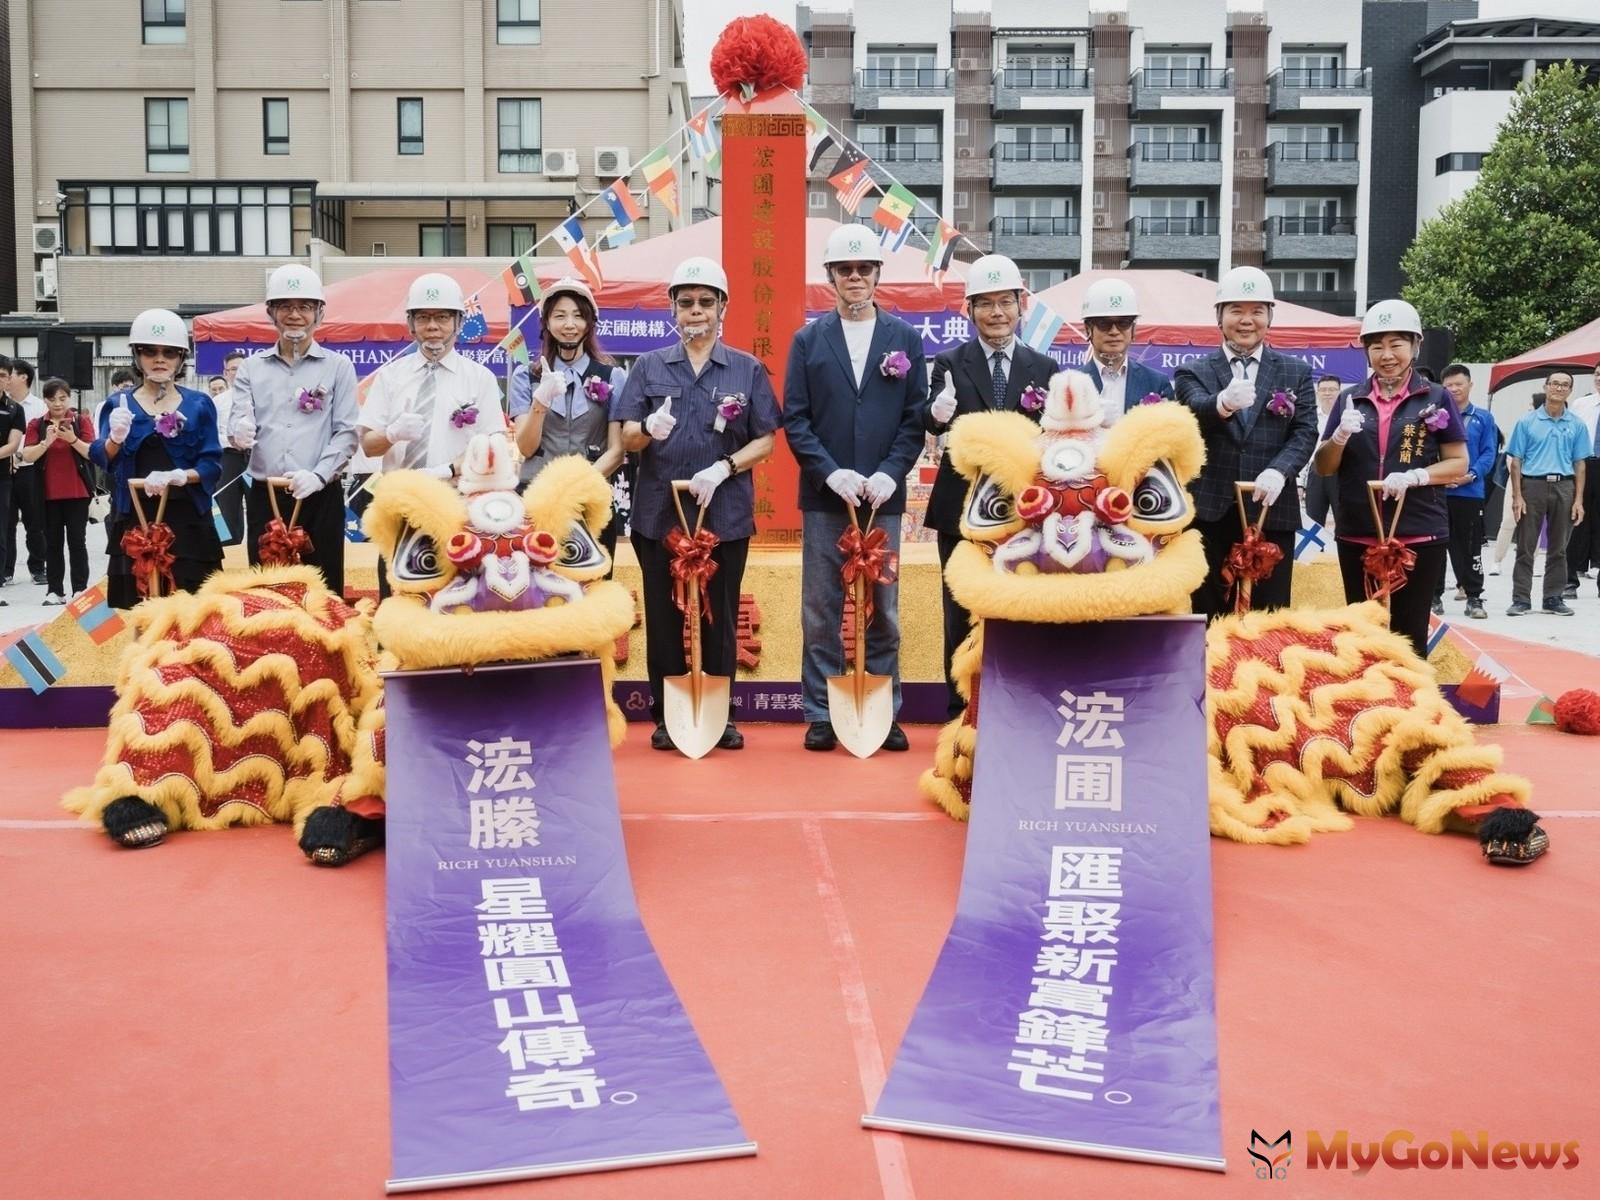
(1258, 415)
(853, 396)
(1110, 320)
(967, 380)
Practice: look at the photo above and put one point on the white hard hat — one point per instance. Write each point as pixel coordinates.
(993, 273)
(435, 290)
(851, 243)
(1109, 298)
(699, 271)
(294, 282)
(1391, 316)
(1245, 285)
(571, 285)
(158, 327)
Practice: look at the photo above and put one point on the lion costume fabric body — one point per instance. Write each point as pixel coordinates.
(1312, 715)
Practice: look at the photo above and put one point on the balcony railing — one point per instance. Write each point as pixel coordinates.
(1314, 151)
(1174, 226)
(1184, 77)
(1037, 151)
(255, 218)
(1035, 226)
(1176, 151)
(903, 151)
(1058, 79)
(1311, 226)
(903, 77)
(1325, 78)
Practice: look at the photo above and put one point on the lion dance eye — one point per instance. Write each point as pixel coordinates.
(1159, 496)
(580, 551)
(991, 505)
(416, 558)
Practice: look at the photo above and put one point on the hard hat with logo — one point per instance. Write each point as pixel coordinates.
(699, 271)
(1245, 285)
(1391, 316)
(158, 327)
(571, 285)
(993, 273)
(1109, 298)
(851, 243)
(294, 282)
(435, 290)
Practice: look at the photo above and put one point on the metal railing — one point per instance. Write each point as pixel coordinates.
(1182, 77)
(903, 77)
(903, 151)
(1035, 226)
(1037, 151)
(1314, 151)
(1060, 79)
(1176, 151)
(1324, 78)
(1174, 226)
(1312, 226)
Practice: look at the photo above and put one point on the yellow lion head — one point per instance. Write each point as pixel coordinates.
(481, 574)
(1070, 521)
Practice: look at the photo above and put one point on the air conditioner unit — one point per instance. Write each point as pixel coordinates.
(1114, 18)
(561, 164)
(44, 286)
(1102, 145)
(1243, 227)
(963, 151)
(611, 162)
(1244, 151)
(47, 239)
(969, 64)
(1102, 220)
(380, 249)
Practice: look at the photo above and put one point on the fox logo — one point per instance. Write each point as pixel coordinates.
(1271, 1165)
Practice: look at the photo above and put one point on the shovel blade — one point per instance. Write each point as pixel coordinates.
(861, 728)
(695, 732)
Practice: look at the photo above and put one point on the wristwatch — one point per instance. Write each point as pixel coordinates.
(733, 467)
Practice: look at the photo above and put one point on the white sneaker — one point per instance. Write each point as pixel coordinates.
(54, 600)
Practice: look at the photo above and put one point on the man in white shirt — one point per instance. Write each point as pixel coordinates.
(230, 494)
(1583, 548)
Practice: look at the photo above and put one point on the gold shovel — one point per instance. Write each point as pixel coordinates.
(694, 706)
(134, 485)
(861, 706)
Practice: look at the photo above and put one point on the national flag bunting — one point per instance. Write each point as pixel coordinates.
(850, 179)
(1542, 713)
(220, 523)
(895, 239)
(35, 662)
(819, 152)
(895, 207)
(1040, 327)
(516, 346)
(522, 286)
(662, 179)
(1436, 631)
(941, 248)
(97, 618)
(1311, 538)
(569, 236)
(624, 208)
(617, 236)
(474, 324)
(352, 525)
(705, 140)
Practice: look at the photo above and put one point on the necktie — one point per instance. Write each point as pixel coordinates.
(417, 451)
(999, 379)
(1241, 368)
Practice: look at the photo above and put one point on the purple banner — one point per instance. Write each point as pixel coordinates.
(532, 1030)
(1072, 1007)
(366, 357)
(1349, 364)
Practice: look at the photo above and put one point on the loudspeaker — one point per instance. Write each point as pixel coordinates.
(1438, 350)
(82, 377)
(65, 357)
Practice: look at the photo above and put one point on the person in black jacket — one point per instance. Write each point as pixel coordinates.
(967, 380)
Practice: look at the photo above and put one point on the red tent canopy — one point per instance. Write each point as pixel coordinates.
(1179, 309)
(1579, 348)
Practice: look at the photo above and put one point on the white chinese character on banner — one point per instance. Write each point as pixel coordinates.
(1089, 781)
(523, 898)
(1070, 1031)
(503, 822)
(534, 1014)
(496, 940)
(1036, 1065)
(956, 329)
(499, 765)
(552, 1046)
(1081, 922)
(1086, 870)
(926, 329)
(658, 329)
(1069, 995)
(509, 974)
(556, 1089)
(1071, 962)
(1088, 720)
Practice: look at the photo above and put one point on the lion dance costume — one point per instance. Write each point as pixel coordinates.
(1312, 715)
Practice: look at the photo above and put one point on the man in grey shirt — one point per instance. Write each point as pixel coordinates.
(294, 410)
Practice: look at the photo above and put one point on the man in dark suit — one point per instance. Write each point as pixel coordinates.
(1258, 416)
(1110, 320)
(988, 373)
(853, 396)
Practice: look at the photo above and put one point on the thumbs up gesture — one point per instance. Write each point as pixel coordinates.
(944, 404)
(661, 423)
(551, 385)
(121, 420)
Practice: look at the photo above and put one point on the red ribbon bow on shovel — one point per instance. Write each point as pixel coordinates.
(1251, 560)
(282, 545)
(691, 561)
(1387, 566)
(866, 558)
(150, 550)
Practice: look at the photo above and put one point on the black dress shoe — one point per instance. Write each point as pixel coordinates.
(731, 739)
(897, 738)
(661, 739)
(820, 736)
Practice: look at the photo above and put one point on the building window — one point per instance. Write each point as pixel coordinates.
(275, 126)
(900, 143)
(517, 23)
(1037, 143)
(261, 220)
(1179, 67)
(1308, 280)
(819, 200)
(519, 137)
(164, 22)
(1446, 163)
(901, 66)
(409, 124)
(1036, 279)
(509, 241)
(1307, 215)
(166, 135)
(1312, 66)
(432, 243)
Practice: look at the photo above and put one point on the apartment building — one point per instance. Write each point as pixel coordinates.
(177, 150)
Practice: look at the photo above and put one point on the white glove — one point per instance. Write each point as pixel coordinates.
(879, 488)
(1351, 422)
(661, 423)
(303, 484)
(551, 385)
(244, 432)
(705, 482)
(1269, 486)
(121, 422)
(1240, 394)
(407, 427)
(159, 481)
(1395, 483)
(944, 404)
(847, 484)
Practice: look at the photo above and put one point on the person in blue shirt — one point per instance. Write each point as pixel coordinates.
(1545, 455)
(1464, 501)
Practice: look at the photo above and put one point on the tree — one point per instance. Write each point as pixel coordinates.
(1516, 260)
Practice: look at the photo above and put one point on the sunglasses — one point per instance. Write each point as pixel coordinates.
(160, 352)
(863, 269)
(686, 303)
(1111, 324)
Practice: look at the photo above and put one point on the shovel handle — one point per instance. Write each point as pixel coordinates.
(135, 486)
(1374, 486)
(1240, 487)
(273, 484)
(679, 486)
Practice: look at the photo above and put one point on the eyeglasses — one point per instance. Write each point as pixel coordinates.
(862, 269)
(304, 307)
(160, 352)
(689, 303)
(985, 304)
(433, 318)
(1111, 324)
(1552, 383)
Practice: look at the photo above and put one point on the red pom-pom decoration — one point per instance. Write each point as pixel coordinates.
(757, 54)
(1578, 711)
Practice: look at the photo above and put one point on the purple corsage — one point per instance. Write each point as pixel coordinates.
(1032, 399)
(895, 364)
(1152, 398)
(310, 400)
(1435, 418)
(464, 415)
(597, 389)
(1281, 404)
(169, 425)
(730, 408)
